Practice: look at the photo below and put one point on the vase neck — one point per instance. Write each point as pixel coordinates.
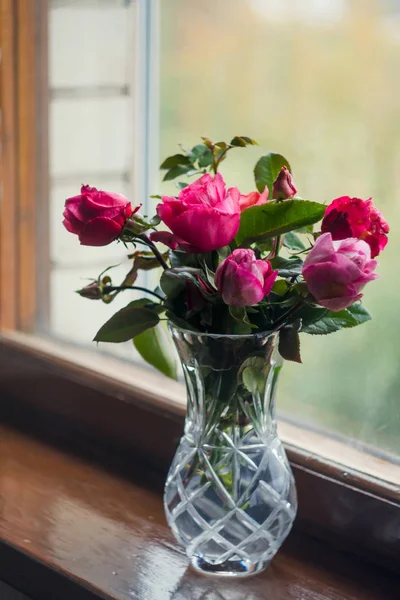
(230, 380)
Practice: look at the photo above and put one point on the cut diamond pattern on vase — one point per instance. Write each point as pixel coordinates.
(230, 498)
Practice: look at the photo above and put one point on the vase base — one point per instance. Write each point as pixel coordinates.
(229, 568)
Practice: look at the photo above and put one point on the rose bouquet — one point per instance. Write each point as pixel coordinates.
(233, 263)
(242, 275)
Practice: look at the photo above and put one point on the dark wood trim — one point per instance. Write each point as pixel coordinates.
(40, 580)
(120, 425)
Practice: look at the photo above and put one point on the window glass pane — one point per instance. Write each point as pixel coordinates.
(92, 74)
(319, 82)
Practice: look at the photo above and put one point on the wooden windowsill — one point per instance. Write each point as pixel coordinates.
(71, 529)
(169, 395)
(116, 420)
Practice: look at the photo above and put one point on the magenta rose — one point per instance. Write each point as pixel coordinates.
(95, 216)
(253, 199)
(336, 272)
(242, 280)
(204, 217)
(283, 186)
(352, 217)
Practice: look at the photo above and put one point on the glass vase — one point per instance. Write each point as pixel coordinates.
(230, 497)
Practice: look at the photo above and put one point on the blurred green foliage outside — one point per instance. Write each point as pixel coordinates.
(323, 89)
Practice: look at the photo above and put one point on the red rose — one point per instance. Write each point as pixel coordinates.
(95, 216)
(352, 217)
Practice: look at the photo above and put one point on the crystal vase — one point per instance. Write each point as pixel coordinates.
(230, 497)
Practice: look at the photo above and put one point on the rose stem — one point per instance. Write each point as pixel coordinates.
(156, 253)
(119, 288)
(281, 321)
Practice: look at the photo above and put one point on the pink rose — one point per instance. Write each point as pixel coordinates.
(253, 199)
(283, 187)
(336, 272)
(204, 217)
(96, 217)
(242, 280)
(352, 217)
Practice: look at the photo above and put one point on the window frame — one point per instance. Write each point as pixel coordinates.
(139, 420)
(24, 287)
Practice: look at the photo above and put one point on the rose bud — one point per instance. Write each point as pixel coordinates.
(253, 199)
(283, 187)
(96, 217)
(93, 291)
(352, 217)
(204, 217)
(336, 272)
(242, 280)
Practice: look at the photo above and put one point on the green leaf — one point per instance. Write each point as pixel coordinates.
(309, 314)
(193, 172)
(280, 287)
(153, 346)
(174, 161)
(173, 281)
(182, 259)
(238, 313)
(293, 242)
(242, 141)
(289, 344)
(177, 171)
(181, 185)
(266, 246)
(206, 159)
(320, 321)
(210, 275)
(197, 151)
(287, 267)
(253, 374)
(156, 220)
(267, 170)
(359, 313)
(171, 284)
(331, 322)
(306, 229)
(224, 252)
(128, 322)
(242, 325)
(272, 219)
